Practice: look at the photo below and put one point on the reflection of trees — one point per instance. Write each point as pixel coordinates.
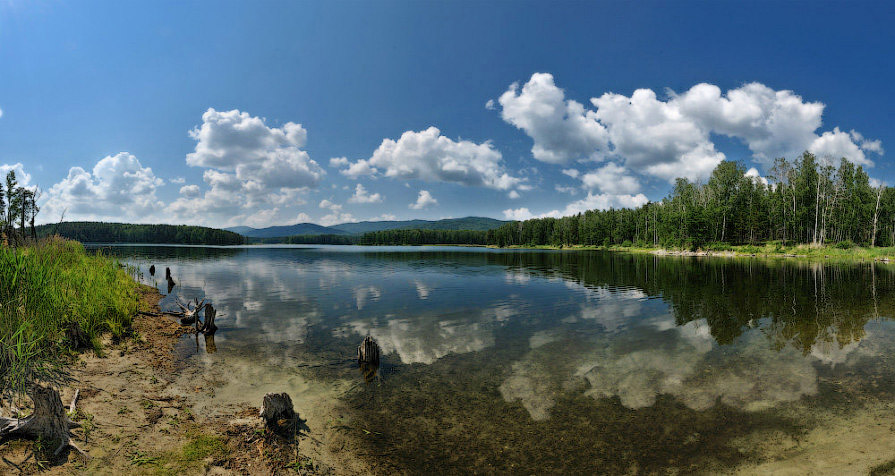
(793, 302)
(185, 253)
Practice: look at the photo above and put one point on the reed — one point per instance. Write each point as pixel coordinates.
(43, 288)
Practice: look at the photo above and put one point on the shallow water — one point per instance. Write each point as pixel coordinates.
(552, 361)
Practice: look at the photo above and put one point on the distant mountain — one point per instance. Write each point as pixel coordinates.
(467, 223)
(288, 230)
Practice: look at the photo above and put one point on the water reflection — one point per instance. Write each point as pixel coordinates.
(554, 335)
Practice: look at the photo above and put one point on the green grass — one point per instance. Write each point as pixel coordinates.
(842, 250)
(42, 288)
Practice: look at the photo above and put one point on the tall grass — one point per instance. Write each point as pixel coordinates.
(43, 288)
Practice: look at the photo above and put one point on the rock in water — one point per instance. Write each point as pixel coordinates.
(276, 407)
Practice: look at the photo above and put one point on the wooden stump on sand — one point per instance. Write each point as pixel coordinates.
(276, 407)
(48, 421)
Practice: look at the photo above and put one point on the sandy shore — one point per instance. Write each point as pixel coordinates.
(137, 407)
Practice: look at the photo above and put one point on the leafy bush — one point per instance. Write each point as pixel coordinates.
(844, 245)
(626, 244)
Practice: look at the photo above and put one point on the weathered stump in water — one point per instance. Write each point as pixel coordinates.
(76, 337)
(368, 352)
(208, 327)
(171, 284)
(276, 407)
(152, 270)
(189, 316)
(168, 274)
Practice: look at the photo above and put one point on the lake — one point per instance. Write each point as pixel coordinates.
(511, 361)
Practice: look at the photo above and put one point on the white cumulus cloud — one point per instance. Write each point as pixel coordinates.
(670, 138)
(424, 200)
(427, 155)
(612, 179)
(362, 196)
(563, 130)
(118, 188)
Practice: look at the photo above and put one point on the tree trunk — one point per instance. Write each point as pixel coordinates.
(208, 328)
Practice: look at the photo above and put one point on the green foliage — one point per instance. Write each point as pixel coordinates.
(425, 237)
(42, 288)
(845, 245)
(97, 232)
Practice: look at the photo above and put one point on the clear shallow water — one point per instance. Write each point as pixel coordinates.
(551, 361)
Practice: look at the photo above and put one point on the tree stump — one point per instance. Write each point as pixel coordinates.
(208, 328)
(368, 352)
(171, 284)
(168, 274)
(48, 421)
(276, 407)
(152, 270)
(76, 337)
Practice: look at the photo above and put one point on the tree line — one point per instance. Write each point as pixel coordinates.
(99, 232)
(802, 201)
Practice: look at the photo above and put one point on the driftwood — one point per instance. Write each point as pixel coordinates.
(368, 352)
(48, 421)
(276, 407)
(152, 270)
(190, 315)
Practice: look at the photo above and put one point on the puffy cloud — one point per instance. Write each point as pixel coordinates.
(520, 214)
(236, 141)
(362, 196)
(603, 201)
(574, 173)
(177, 180)
(424, 200)
(337, 162)
(562, 129)
(672, 138)
(428, 155)
(1, 112)
(513, 194)
(24, 178)
(753, 173)
(611, 178)
(336, 216)
(255, 173)
(117, 188)
(190, 191)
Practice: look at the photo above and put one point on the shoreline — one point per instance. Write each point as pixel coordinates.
(136, 407)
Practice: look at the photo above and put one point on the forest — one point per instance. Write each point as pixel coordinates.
(98, 232)
(800, 202)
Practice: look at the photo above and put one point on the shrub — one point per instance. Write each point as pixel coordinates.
(844, 245)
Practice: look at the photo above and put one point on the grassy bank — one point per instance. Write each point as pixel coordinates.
(45, 289)
(772, 249)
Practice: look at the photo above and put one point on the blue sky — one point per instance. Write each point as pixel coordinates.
(229, 113)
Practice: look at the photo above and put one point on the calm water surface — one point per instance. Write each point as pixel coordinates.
(556, 362)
